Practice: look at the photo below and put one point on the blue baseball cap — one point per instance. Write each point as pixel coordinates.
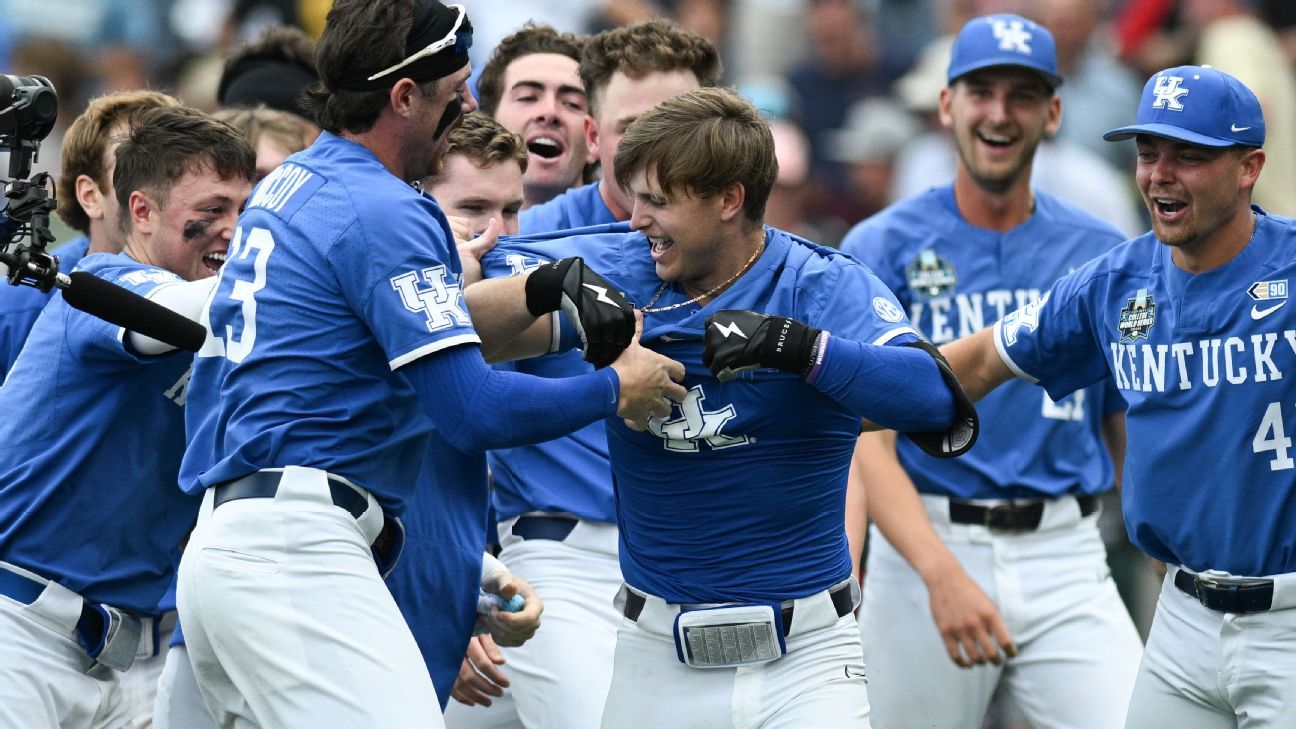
(1004, 40)
(1199, 105)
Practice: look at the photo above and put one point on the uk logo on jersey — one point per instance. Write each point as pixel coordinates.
(1012, 36)
(1026, 318)
(930, 275)
(1137, 317)
(1168, 92)
(440, 301)
(695, 425)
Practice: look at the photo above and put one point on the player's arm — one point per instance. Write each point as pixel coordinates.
(477, 408)
(186, 298)
(865, 378)
(968, 621)
(515, 317)
(977, 364)
(1113, 435)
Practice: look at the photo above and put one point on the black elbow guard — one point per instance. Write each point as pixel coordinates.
(962, 433)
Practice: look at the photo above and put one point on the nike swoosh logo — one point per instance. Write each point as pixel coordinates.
(1257, 313)
(1237, 128)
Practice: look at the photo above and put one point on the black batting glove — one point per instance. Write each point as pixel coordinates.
(602, 316)
(737, 341)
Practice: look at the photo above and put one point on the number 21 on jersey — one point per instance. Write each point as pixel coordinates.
(257, 242)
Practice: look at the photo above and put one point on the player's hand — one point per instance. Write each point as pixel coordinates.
(480, 678)
(602, 316)
(511, 629)
(649, 382)
(969, 622)
(480, 245)
(737, 341)
(461, 228)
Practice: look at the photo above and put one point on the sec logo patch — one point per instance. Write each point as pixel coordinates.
(887, 310)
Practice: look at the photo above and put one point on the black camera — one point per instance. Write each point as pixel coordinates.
(28, 108)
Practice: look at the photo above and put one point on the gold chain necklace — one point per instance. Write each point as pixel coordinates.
(648, 309)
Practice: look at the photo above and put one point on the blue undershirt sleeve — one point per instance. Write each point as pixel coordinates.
(895, 387)
(477, 408)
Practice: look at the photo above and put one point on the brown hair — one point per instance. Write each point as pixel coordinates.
(86, 141)
(165, 144)
(702, 141)
(262, 121)
(643, 48)
(533, 38)
(485, 142)
(357, 34)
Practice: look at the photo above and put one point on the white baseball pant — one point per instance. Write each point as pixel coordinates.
(180, 703)
(560, 677)
(44, 682)
(818, 683)
(139, 685)
(1078, 648)
(287, 621)
(1214, 670)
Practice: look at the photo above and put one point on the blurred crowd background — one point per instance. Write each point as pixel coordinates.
(850, 87)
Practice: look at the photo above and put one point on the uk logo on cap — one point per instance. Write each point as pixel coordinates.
(1167, 92)
(1012, 35)
(1198, 105)
(1004, 40)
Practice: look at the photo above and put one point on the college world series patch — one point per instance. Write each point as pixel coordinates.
(1137, 317)
(930, 275)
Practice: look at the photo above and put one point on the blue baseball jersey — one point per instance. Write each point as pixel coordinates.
(338, 274)
(20, 305)
(569, 474)
(739, 494)
(93, 435)
(1204, 363)
(955, 279)
(436, 581)
(576, 208)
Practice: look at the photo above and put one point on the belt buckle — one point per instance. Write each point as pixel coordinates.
(1003, 512)
(1202, 584)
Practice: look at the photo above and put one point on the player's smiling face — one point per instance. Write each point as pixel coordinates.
(1193, 192)
(479, 194)
(999, 116)
(190, 234)
(686, 234)
(544, 102)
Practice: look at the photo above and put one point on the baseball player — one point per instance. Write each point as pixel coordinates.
(626, 72)
(85, 203)
(341, 370)
(485, 165)
(90, 518)
(554, 499)
(1002, 554)
(531, 85)
(738, 596)
(1191, 322)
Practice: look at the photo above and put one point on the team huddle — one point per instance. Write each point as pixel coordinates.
(520, 402)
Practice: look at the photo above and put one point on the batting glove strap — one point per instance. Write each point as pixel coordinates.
(962, 433)
(544, 287)
(737, 341)
(602, 317)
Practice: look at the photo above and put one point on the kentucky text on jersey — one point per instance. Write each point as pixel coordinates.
(1203, 362)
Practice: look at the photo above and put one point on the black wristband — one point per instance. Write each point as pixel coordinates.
(544, 287)
(789, 345)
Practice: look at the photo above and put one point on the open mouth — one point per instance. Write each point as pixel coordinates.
(213, 261)
(545, 147)
(657, 246)
(998, 141)
(1168, 208)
